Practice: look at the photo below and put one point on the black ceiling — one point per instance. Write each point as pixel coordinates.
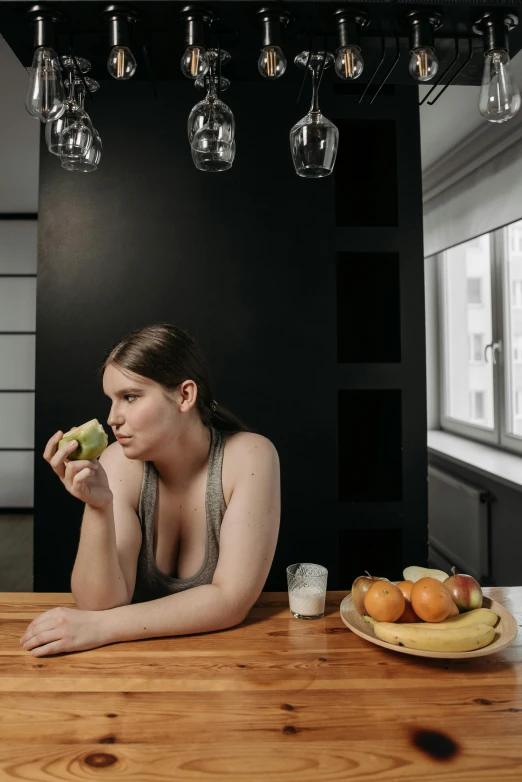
(163, 33)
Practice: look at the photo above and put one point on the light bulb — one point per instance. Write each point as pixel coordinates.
(423, 63)
(349, 63)
(45, 93)
(195, 62)
(272, 62)
(121, 63)
(499, 96)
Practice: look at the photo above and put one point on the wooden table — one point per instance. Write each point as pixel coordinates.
(276, 699)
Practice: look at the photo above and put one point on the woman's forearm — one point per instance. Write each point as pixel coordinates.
(201, 609)
(97, 581)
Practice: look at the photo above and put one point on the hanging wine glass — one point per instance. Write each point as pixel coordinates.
(89, 162)
(211, 125)
(314, 139)
(53, 130)
(200, 114)
(76, 139)
(212, 160)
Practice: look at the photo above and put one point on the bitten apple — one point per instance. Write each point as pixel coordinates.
(465, 591)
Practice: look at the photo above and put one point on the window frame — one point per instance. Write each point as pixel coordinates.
(499, 436)
(453, 425)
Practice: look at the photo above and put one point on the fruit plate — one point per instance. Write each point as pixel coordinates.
(505, 632)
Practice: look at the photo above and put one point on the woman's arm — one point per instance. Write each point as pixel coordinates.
(248, 539)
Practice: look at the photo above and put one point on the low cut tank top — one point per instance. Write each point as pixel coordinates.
(151, 582)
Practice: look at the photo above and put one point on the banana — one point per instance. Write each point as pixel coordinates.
(483, 616)
(478, 616)
(427, 638)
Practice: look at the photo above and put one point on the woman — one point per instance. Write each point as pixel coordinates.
(181, 513)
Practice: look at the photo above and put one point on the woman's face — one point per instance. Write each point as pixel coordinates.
(140, 410)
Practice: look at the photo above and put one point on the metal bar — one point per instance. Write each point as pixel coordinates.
(470, 44)
(306, 67)
(442, 75)
(394, 63)
(71, 53)
(383, 47)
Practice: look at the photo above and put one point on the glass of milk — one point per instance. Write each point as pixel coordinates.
(306, 590)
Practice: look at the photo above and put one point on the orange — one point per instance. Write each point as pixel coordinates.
(454, 610)
(431, 600)
(408, 615)
(384, 601)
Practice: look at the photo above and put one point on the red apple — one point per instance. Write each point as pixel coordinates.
(465, 591)
(359, 589)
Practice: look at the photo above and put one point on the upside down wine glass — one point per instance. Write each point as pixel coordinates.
(211, 124)
(314, 139)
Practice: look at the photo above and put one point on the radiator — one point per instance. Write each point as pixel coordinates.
(458, 524)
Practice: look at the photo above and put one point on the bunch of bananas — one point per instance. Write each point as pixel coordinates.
(464, 633)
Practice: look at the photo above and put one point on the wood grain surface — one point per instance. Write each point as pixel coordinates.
(275, 699)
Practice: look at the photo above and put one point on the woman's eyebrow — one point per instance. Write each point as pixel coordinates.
(124, 391)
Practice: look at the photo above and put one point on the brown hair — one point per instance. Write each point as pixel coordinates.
(168, 355)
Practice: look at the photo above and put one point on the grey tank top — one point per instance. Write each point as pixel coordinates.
(151, 582)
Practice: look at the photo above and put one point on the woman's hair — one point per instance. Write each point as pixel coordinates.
(168, 355)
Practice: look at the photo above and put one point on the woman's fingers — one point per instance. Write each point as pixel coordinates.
(59, 458)
(43, 637)
(50, 448)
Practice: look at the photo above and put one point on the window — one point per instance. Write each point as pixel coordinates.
(476, 348)
(517, 349)
(466, 280)
(480, 287)
(474, 290)
(516, 293)
(476, 412)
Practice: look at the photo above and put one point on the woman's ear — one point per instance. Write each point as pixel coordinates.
(189, 393)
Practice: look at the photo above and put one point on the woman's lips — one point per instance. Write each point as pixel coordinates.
(122, 438)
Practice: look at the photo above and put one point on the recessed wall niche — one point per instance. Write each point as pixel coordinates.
(366, 173)
(369, 445)
(368, 307)
(379, 551)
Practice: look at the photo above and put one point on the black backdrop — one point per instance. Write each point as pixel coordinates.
(306, 296)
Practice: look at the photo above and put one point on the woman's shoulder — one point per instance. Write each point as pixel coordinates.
(245, 450)
(241, 444)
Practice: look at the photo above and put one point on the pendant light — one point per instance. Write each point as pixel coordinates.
(195, 62)
(121, 63)
(272, 61)
(349, 63)
(499, 98)
(45, 93)
(423, 62)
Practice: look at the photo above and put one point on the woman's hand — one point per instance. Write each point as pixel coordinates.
(65, 630)
(86, 480)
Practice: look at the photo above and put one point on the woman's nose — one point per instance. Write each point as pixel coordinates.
(114, 419)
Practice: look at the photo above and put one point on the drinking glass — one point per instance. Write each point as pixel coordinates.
(214, 160)
(306, 590)
(314, 139)
(88, 162)
(211, 125)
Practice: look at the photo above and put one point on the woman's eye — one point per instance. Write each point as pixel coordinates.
(127, 396)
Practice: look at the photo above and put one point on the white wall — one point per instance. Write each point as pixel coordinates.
(19, 139)
(19, 155)
(432, 343)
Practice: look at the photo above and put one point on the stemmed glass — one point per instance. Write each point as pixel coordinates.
(53, 130)
(314, 139)
(76, 138)
(211, 125)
